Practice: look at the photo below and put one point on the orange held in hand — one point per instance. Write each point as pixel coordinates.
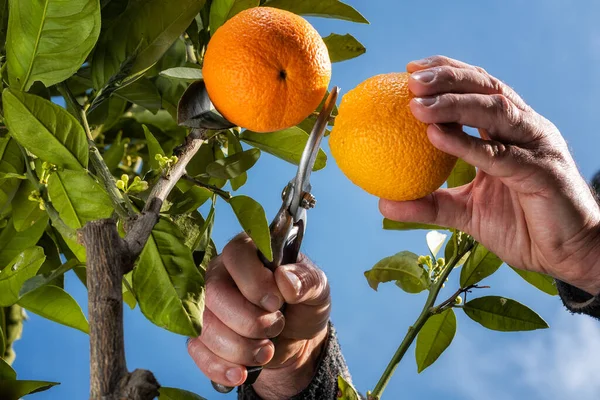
(382, 147)
(266, 69)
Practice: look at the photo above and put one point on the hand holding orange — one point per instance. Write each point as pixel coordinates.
(381, 147)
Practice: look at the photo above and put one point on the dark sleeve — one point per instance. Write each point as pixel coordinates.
(577, 301)
(324, 383)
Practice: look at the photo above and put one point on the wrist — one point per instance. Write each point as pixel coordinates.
(589, 267)
(296, 374)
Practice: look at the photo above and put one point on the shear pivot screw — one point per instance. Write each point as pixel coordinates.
(308, 201)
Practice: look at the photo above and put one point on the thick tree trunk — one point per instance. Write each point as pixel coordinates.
(108, 258)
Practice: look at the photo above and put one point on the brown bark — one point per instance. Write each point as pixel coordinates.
(109, 257)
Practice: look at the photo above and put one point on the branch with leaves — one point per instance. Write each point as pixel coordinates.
(436, 325)
(113, 170)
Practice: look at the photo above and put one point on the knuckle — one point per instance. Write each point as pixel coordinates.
(495, 84)
(439, 60)
(480, 70)
(266, 327)
(505, 109)
(448, 74)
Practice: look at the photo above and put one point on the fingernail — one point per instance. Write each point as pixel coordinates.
(271, 302)
(276, 327)
(426, 101)
(234, 375)
(263, 355)
(424, 76)
(294, 281)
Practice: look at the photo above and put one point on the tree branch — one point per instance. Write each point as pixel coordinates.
(109, 257)
(220, 192)
(413, 331)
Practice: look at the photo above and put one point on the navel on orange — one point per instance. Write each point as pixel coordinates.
(381, 147)
(266, 69)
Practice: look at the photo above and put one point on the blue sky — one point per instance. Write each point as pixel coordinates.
(548, 50)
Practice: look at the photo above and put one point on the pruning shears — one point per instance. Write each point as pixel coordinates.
(289, 225)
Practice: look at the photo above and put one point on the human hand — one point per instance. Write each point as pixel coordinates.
(528, 203)
(243, 299)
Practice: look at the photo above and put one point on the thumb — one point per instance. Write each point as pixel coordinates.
(306, 292)
(302, 283)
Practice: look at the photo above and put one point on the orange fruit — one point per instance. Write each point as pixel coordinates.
(381, 147)
(266, 69)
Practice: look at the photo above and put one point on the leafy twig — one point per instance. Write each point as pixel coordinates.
(120, 201)
(421, 320)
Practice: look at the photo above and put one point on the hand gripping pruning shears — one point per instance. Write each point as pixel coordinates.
(289, 225)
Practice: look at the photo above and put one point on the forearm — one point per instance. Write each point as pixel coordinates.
(318, 384)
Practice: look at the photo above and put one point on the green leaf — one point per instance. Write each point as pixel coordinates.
(150, 27)
(222, 10)
(287, 144)
(35, 51)
(192, 226)
(462, 174)
(25, 212)
(480, 264)
(235, 147)
(402, 268)
(143, 93)
(12, 243)
(153, 149)
(45, 129)
(346, 390)
(128, 296)
(233, 166)
(20, 269)
(320, 8)
(543, 282)
(168, 393)
(175, 56)
(502, 314)
(343, 47)
(186, 202)
(204, 237)
(11, 166)
(197, 167)
(253, 220)
(38, 281)
(183, 73)
(10, 175)
(78, 198)
(6, 371)
(435, 241)
(167, 284)
(55, 304)
(434, 338)
(390, 225)
(14, 390)
(451, 251)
